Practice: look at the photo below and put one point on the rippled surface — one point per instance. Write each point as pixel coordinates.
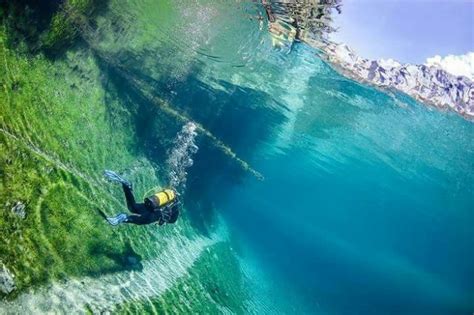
(366, 203)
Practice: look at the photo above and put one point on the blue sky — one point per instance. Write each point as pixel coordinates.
(407, 30)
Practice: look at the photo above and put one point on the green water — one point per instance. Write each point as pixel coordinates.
(64, 119)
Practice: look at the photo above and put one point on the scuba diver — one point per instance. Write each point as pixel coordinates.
(162, 207)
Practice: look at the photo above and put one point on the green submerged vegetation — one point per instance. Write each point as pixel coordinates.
(54, 143)
(204, 283)
(61, 124)
(61, 31)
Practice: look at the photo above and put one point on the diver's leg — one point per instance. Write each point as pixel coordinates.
(139, 219)
(147, 218)
(142, 209)
(131, 204)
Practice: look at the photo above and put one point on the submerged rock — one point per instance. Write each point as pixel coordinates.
(133, 261)
(7, 282)
(19, 209)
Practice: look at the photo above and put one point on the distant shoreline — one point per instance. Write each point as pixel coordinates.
(432, 86)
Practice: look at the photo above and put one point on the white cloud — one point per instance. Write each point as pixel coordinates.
(457, 65)
(389, 63)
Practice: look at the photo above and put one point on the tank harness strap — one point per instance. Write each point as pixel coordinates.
(166, 213)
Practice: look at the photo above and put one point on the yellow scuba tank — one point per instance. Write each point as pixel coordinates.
(161, 199)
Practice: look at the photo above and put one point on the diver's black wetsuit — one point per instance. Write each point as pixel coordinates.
(146, 215)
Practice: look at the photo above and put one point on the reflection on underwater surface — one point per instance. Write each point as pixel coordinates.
(366, 203)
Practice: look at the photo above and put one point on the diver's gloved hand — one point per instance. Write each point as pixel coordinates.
(112, 176)
(120, 218)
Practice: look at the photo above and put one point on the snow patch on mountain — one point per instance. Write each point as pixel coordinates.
(455, 64)
(431, 83)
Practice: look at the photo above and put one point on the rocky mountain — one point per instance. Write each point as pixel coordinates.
(428, 84)
(311, 22)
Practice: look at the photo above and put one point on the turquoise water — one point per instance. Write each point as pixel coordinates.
(366, 206)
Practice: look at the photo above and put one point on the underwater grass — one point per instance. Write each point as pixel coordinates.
(57, 135)
(61, 125)
(56, 138)
(209, 280)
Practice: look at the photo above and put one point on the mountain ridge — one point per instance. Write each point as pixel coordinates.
(428, 84)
